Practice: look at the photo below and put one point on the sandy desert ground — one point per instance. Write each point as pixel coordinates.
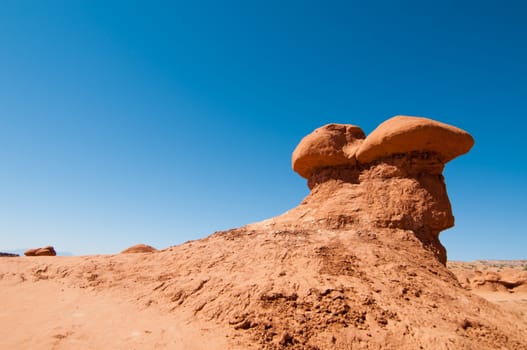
(42, 313)
(116, 301)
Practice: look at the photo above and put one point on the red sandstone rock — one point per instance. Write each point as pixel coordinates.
(405, 134)
(139, 248)
(327, 146)
(397, 182)
(44, 251)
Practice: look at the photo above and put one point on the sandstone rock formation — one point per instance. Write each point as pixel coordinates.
(357, 265)
(139, 248)
(391, 179)
(44, 251)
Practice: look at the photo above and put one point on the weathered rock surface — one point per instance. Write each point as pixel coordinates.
(139, 248)
(328, 146)
(44, 251)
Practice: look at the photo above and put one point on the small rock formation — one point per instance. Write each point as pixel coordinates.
(44, 251)
(8, 255)
(139, 248)
(390, 179)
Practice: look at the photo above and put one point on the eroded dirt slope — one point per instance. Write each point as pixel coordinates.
(280, 289)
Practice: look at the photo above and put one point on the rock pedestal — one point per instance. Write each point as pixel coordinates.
(390, 179)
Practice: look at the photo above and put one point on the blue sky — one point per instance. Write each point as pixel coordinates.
(161, 122)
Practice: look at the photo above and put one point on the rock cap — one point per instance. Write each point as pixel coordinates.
(327, 146)
(405, 134)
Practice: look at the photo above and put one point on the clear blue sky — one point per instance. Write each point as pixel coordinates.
(124, 122)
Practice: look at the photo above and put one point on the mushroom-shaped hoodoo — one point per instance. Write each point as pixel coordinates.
(404, 134)
(392, 179)
(328, 146)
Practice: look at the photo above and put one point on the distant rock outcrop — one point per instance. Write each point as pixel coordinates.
(139, 248)
(490, 277)
(8, 255)
(44, 251)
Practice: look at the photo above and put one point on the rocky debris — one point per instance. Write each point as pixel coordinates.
(139, 248)
(44, 251)
(8, 255)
